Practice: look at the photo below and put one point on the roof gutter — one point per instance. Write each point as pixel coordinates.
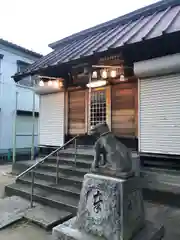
(19, 76)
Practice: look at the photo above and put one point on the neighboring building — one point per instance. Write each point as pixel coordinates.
(137, 55)
(13, 59)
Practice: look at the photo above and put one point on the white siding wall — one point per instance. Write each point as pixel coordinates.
(159, 120)
(51, 120)
(8, 94)
(25, 99)
(24, 132)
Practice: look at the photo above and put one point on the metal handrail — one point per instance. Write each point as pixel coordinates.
(30, 169)
(42, 160)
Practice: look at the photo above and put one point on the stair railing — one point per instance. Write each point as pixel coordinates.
(33, 167)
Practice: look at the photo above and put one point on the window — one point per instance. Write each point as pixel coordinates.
(21, 67)
(1, 57)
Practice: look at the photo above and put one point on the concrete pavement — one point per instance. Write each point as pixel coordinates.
(22, 230)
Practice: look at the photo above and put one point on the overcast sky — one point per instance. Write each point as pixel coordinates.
(36, 23)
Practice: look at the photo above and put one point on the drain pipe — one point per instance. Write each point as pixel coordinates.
(14, 130)
(33, 122)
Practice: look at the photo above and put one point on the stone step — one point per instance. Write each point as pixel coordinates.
(63, 178)
(52, 199)
(67, 169)
(15, 208)
(162, 186)
(172, 178)
(49, 175)
(46, 217)
(84, 163)
(81, 154)
(51, 167)
(12, 209)
(72, 190)
(168, 164)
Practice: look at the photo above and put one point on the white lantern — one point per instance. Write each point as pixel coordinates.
(50, 83)
(94, 74)
(41, 83)
(122, 78)
(113, 73)
(56, 84)
(60, 84)
(104, 74)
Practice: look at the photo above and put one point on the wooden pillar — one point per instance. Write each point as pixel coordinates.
(108, 106)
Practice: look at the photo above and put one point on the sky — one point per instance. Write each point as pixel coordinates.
(34, 24)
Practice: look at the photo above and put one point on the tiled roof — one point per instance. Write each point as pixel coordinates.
(22, 49)
(146, 23)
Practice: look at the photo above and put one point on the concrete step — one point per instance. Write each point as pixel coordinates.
(67, 169)
(72, 190)
(81, 152)
(70, 153)
(51, 167)
(84, 163)
(52, 199)
(46, 217)
(15, 208)
(161, 179)
(12, 209)
(161, 186)
(63, 178)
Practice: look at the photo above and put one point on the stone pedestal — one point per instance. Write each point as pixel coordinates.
(111, 209)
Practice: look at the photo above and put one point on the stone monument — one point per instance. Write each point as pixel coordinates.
(111, 204)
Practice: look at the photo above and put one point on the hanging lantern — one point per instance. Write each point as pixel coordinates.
(60, 84)
(104, 74)
(113, 73)
(41, 83)
(50, 83)
(94, 74)
(56, 84)
(122, 78)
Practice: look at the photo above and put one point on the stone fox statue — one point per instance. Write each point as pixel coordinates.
(117, 160)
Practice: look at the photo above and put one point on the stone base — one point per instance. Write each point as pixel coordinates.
(67, 232)
(110, 207)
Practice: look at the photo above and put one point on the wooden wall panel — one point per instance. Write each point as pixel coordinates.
(124, 109)
(77, 112)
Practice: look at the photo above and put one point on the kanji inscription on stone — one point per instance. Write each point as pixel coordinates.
(97, 201)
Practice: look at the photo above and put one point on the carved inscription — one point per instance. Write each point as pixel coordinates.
(97, 201)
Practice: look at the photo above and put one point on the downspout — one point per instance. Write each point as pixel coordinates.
(33, 122)
(14, 129)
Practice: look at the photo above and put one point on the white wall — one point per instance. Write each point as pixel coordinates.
(8, 90)
(24, 132)
(25, 99)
